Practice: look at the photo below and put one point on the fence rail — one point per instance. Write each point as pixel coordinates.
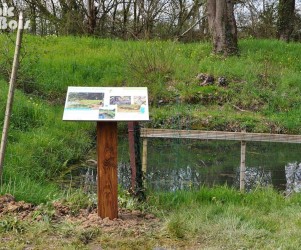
(219, 135)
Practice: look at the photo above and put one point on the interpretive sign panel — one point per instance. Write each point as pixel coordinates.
(106, 104)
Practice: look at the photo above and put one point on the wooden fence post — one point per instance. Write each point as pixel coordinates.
(107, 178)
(131, 134)
(144, 156)
(242, 180)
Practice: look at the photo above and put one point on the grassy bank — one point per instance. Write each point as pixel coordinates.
(38, 147)
(261, 94)
(216, 218)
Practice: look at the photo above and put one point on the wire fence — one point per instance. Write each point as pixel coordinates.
(179, 159)
(186, 164)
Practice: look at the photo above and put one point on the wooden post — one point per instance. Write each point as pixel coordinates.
(131, 132)
(144, 155)
(11, 91)
(243, 165)
(107, 170)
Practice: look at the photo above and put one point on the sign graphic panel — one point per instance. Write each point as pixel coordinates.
(106, 104)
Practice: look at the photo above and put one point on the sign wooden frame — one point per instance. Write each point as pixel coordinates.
(106, 106)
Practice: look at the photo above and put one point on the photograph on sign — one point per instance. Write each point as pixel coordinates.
(104, 103)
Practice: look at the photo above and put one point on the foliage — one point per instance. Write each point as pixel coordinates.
(46, 211)
(24, 188)
(127, 201)
(12, 224)
(261, 95)
(77, 199)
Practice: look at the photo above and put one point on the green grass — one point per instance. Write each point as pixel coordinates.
(209, 218)
(263, 81)
(222, 217)
(39, 148)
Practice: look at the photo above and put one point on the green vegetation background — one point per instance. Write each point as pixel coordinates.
(262, 95)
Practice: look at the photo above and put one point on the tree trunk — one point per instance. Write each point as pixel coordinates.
(92, 12)
(114, 14)
(222, 26)
(126, 12)
(286, 18)
(135, 25)
(55, 21)
(33, 20)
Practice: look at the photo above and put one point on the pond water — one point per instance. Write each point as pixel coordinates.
(176, 164)
(179, 164)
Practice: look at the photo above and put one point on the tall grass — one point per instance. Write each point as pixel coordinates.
(27, 189)
(217, 217)
(263, 81)
(39, 148)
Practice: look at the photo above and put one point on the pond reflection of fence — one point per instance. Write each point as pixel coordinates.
(183, 178)
(243, 137)
(293, 177)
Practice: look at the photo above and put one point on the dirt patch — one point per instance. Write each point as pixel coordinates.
(8, 205)
(84, 218)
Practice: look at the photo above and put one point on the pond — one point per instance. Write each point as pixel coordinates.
(176, 164)
(180, 163)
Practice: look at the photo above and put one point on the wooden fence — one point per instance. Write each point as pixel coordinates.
(243, 137)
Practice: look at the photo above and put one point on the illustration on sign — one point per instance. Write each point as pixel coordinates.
(102, 103)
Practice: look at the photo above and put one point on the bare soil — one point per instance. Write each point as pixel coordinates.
(85, 218)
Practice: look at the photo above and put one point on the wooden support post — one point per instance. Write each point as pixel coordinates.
(131, 132)
(107, 170)
(135, 158)
(144, 155)
(10, 97)
(243, 166)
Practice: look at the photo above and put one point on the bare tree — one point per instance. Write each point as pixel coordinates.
(91, 13)
(126, 13)
(150, 11)
(222, 25)
(167, 19)
(286, 18)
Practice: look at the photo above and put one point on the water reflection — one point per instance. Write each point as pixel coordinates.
(190, 164)
(293, 177)
(173, 179)
(182, 164)
(254, 177)
(187, 178)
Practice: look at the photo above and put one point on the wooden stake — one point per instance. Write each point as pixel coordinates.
(131, 132)
(10, 98)
(144, 155)
(107, 169)
(243, 165)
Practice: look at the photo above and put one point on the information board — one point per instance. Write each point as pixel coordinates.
(106, 104)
